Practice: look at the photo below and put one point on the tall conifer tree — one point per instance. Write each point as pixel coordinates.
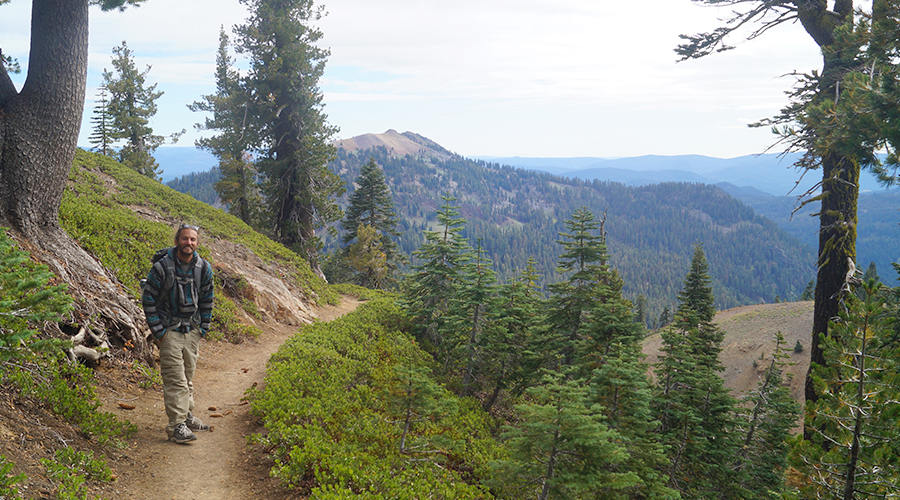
(583, 258)
(562, 448)
(766, 417)
(695, 410)
(853, 452)
(131, 105)
(371, 206)
(102, 133)
(515, 351)
(473, 317)
(428, 291)
(238, 185)
(286, 111)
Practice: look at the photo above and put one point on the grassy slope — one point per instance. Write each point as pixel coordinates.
(122, 217)
(749, 341)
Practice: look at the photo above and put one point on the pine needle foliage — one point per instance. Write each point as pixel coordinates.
(101, 119)
(427, 292)
(853, 453)
(584, 260)
(371, 205)
(132, 103)
(562, 448)
(291, 136)
(766, 418)
(695, 410)
(27, 298)
(239, 183)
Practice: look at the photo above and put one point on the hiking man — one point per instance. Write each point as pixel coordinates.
(178, 301)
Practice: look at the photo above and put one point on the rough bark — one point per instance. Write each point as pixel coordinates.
(837, 243)
(840, 192)
(39, 129)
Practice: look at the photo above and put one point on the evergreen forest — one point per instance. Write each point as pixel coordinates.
(518, 214)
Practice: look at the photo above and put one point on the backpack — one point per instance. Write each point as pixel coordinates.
(186, 302)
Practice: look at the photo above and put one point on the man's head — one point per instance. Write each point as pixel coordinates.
(186, 240)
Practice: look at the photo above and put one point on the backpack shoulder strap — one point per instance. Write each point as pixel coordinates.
(168, 266)
(198, 272)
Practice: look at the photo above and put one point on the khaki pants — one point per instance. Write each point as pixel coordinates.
(178, 353)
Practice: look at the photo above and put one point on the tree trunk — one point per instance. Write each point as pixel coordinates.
(39, 129)
(837, 215)
(837, 244)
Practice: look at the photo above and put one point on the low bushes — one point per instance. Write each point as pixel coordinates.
(352, 411)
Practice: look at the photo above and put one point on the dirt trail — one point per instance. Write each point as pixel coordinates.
(218, 465)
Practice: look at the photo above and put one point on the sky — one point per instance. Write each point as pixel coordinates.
(530, 78)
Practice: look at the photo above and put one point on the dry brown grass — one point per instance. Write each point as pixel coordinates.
(749, 342)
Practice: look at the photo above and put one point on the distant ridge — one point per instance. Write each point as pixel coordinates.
(773, 174)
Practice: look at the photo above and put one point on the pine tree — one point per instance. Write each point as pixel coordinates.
(584, 256)
(766, 417)
(619, 384)
(665, 317)
(412, 398)
(367, 257)
(562, 449)
(371, 205)
(239, 188)
(853, 451)
(515, 351)
(640, 309)
(102, 135)
(871, 274)
(429, 289)
(285, 110)
(809, 291)
(472, 316)
(238, 185)
(131, 104)
(695, 410)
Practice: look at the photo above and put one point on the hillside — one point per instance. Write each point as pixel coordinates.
(749, 342)
(271, 294)
(264, 294)
(878, 234)
(519, 214)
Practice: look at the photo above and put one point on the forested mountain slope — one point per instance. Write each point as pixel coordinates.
(518, 214)
(877, 236)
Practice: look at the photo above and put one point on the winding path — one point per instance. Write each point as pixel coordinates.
(218, 465)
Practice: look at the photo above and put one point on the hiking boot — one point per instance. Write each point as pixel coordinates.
(182, 434)
(195, 424)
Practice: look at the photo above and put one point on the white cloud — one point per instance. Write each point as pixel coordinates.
(537, 77)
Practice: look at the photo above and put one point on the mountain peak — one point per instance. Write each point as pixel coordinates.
(397, 144)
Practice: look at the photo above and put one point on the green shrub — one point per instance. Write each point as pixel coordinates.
(8, 481)
(150, 376)
(336, 404)
(69, 391)
(226, 325)
(71, 469)
(26, 298)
